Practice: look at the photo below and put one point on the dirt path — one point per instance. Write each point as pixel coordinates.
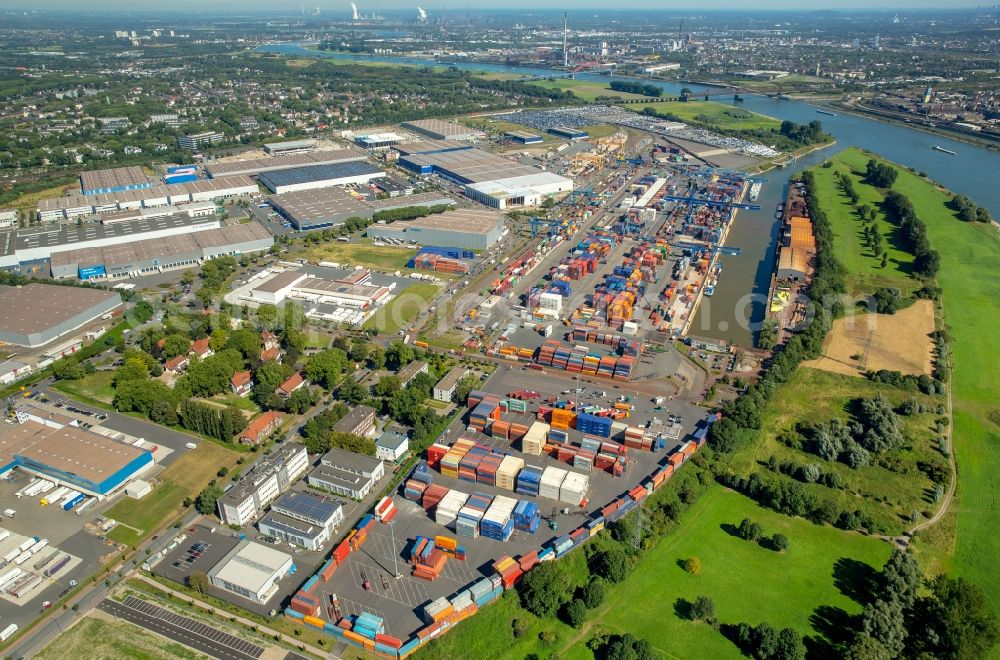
(953, 484)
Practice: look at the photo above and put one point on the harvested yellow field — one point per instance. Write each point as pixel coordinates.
(869, 342)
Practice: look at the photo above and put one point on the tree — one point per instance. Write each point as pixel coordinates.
(352, 391)
(544, 589)
(207, 499)
(749, 530)
(692, 565)
(465, 385)
(779, 542)
(387, 386)
(143, 311)
(593, 593)
(883, 621)
(267, 317)
(175, 344)
(703, 609)
(376, 359)
(327, 367)
(576, 613)
(358, 351)
(398, 355)
(300, 401)
(880, 175)
(865, 647)
(960, 618)
(198, 580)
(902, 577)
(612, 564)
(724, 436)
(217, 340)
(247, 341)
(789, 646)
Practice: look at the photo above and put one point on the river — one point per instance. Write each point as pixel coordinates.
(737, 307)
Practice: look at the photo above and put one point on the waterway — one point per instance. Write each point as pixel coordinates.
(737, 308)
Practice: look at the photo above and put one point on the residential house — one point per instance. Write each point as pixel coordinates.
(201, 349)
(445, 388)
(391, 446)
(260, 428)
(410, 371)
(241, 383)
(272, 354)
(295, 382)
(177, 364)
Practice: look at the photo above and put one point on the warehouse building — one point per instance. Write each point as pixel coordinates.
(319, 176)
(439, 129)
(377, 140)
(490, 179)
(290, 147)
(159, 254)
(253, 166)
(114, 180)
(475, 229)
(36, 314)
(330, 207)
(346, 473)
(251, 570)
(74, 206)
(522, 137)
(269, 478)
(305, 519)
(568, 133)
(82, 459)
(430, 147)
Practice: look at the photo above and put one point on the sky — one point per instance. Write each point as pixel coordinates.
(332, 8)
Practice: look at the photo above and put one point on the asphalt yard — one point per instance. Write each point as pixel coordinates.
(181, 629)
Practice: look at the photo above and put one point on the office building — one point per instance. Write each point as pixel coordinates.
(445, 388)
(359, 421)
(271, 476)
(410, 371)
(391, 446)
(346, 473)
(305, 519)
(199, 140)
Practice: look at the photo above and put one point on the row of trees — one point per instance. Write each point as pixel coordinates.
(221, 423)
(967, 211)
(899, 210)
(636, 87)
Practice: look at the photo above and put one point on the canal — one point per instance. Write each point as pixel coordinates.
(736, 309)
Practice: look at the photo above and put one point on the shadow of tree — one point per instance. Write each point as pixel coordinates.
(682, 609)
(835, 626)
(856, 580)
(732, 530)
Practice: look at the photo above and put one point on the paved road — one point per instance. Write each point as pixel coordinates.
(183, 630)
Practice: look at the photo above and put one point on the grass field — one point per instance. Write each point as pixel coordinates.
(899, 341)
(585, 89)
(94, 387)
(98, 638)
(970, 281)
(402, 309)
(888, 496)
(241, 402)
(803, 587)
(710, 112)
(386, 258)
(185, 477)
(864, 271)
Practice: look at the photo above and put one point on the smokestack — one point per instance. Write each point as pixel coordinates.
(565, 41)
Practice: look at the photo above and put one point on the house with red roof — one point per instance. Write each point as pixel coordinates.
(177, 364)
(260, 428)
(241, 383)
(200, 348)
(295, 382)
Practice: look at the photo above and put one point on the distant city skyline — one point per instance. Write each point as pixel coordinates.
(458, 6)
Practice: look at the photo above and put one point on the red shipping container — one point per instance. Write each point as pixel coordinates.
(388, 641)
(341, 551)
(329, 571)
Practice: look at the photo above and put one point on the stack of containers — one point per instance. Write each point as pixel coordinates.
(593, 425)
(450, 461)
(636, 438)
(305, 604)
(509, 570)
(517, 432)
(486, 471)
(437, 610)
(467, 466)
(434, 455)
(565, 454)
(500, 429)
(462, 600)
(386, 510)
(533, 441)
(413, 489)
(430, 564)
(498, 523)
(368, 625)
(432, 496)
(562, 545)
(526, 516)
(623, 368)
(563, 419)
(485, 412)
(470, 515)
(574, 487)
(551, 481)
(558, 435)
(449, 506)
(529, 480)
(584, 459)
(515, 405)
(506, 475)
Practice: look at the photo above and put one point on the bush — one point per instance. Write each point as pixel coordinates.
(593, 593)
(692, 565)
(779, 542)
(703, 609)
(576, 613)
(612, 564)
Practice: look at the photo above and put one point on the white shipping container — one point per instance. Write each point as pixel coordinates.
(4, 534)
(38, 547)
(12, 574)
(8, 632)
(86, 504)
(11, 555)
(23, 557)
(25, 544)
(55, 496)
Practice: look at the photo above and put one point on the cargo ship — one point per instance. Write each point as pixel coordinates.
(943, 150)
(712, 281)
(755, 190)
(827, 112)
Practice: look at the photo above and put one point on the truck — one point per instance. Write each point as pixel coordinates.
(9, 513)
(190, 445)
(38, 547)
(69, 504)
(54, 496)
(8, 632)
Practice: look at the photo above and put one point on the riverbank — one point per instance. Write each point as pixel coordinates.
(783, 160)
(885, 118)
